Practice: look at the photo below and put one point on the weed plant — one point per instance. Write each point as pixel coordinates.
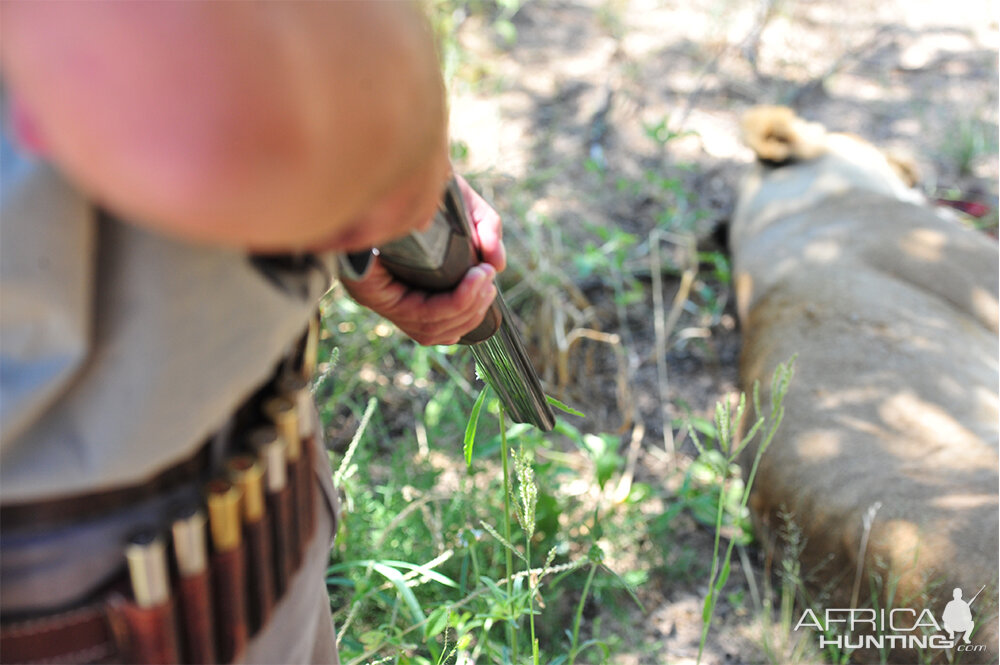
(449, 555)
(499, 550)
(494, 551)
(502, 550)
(722, 459)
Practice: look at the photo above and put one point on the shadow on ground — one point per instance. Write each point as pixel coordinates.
(623, 116)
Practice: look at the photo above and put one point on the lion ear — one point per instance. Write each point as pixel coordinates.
(905, 167)
(777, 135)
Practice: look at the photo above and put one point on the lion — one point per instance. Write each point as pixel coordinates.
(886, 462)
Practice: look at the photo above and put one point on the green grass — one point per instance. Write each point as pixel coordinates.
(466, 538)
(968, 144)
(437, 560)
(492, 551)
(721, 458)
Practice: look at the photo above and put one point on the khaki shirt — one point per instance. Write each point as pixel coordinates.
(122, 351)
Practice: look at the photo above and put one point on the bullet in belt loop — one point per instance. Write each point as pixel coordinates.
(247, 473)
(228, 572)
(147, 569)
(191, 553)
(151, 624)
(311, 348)
(224, 514)
(190, 543)
(271, 450)
(283, 413)
(294, 388)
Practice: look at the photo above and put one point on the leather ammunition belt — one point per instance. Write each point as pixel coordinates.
(197, 585)
(54, 513)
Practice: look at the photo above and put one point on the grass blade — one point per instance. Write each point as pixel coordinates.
(562, 407)
(470, 428)
(405, 592)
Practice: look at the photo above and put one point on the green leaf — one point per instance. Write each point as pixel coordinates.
(600, 644)
(405, 592)
(562, 407)
(628, 587)
(340, 581)
(704, 509)
(423, 571)
(470, 429)
(606, 465)
(436, 411)
(506, 30)
(705, 427)
(494, 589)
(567, 430)
(592, 165)
(437, 622)
(372, 639)
(707, 609)
(596, 445)
(723, 575)
(518, 430)
(638, 493)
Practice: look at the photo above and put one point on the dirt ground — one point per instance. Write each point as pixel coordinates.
(578, 93)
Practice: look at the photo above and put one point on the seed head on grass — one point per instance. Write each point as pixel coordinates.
(503, 541)
(326, 373)
(346, 470)
(768, 423)
(527, 491)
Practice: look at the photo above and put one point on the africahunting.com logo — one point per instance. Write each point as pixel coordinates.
(898, 628)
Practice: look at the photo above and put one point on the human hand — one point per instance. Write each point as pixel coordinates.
(440, 318)
(486, 224)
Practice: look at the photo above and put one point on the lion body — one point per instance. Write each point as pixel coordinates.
(892, 311)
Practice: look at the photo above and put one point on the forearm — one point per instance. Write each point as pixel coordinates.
(270, 125)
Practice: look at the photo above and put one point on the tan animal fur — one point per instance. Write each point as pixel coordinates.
(893, 312)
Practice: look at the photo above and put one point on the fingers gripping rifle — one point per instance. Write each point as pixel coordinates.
(436, 260)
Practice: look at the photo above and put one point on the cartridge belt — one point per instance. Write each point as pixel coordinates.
(77, 508)
(198, 585)
(165, 614)
(81, 635)
(205, 578)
